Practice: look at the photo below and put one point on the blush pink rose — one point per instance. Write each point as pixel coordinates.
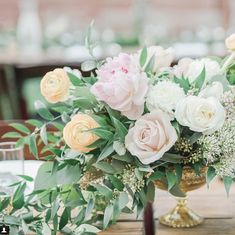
(122, 85)
(151, 137)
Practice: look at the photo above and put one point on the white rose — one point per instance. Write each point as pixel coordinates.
(214, 90)
(163, 57)
(182, 67)
(195, 68)
(164, 95)
(200, 114)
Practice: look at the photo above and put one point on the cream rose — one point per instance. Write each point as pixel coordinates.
(213, 90)
(164, 95)
(151, 136)
(212, 68)
(182, 67)
(200, 114)
(163, 57)
(230, 42)
(55, 86)
(77, 135)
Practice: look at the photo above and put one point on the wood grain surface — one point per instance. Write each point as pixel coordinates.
(213, 204)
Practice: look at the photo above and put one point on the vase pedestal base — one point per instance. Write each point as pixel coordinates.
(181, 216)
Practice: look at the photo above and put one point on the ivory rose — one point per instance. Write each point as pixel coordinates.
(200, 114)
(122, 85)
(182, 67)
(215, 89)
(212, 68)
(55, 86)
(163, 57)
(230, 42)
(77, 135)
(151, 136)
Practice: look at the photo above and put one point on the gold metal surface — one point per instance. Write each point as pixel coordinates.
(181, 216)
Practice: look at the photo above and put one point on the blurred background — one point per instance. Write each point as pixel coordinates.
(39, 35)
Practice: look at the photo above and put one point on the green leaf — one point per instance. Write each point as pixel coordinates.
(12, 135)
(104, 166)
(150, 192)
(58, 126)
(64, 219)
(194, 138)
(150, 64)
(43, 134)
(44, 178)
(34, 122)
(26, 177)
(119, 148)
(117, 183)
(176, 191)
(121, 130)
(100, 119)
(123, 200)
(184, 83)
(55, 207)
(143, 56)
(157, 175)
(86, 229)
(106, 152)
(102, 133)
(89, 208)
(104, 190)
(43, 111)
(178, 171)
(200, 79)
(227, 183)
(210, 175)
(171, 179)
(84, 103)
(76, 81)
(33, 146)
(69, 175)
(20, 127)
(61, 109)
(107, 215)
(172, 158)
(18, 197)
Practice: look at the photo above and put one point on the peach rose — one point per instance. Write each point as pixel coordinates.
(151, 136)
(230, 42)
(77, 135)
(55, 86)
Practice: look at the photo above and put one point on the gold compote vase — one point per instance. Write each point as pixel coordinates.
(181, 216)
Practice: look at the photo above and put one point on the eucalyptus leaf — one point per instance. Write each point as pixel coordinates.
(43, 134)
(143, 56)
(43, 111)
(210, 175)
(20, 127)
(200, 79)
(107, 215)
(227, 183)
(12, 135)
(171, 179)
(172, 158)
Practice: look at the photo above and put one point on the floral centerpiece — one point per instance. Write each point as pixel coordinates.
(134, 121)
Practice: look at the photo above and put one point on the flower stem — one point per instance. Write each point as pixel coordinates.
(228, 62)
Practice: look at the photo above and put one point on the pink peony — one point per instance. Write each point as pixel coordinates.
(122, 85)
(151, 136)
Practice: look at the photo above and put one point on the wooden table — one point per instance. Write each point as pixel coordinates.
(212, 204)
